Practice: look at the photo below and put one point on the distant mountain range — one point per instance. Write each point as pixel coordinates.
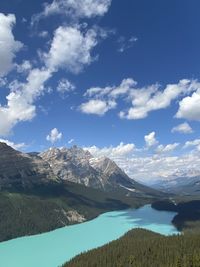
(43, 191)
(79, 166)
(58, 165)
(183, 185)
(73, 164)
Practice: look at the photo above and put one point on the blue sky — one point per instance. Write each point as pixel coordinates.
(120, 78)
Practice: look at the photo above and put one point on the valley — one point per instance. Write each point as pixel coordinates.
(42, 193)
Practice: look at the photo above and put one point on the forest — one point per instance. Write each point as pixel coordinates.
(143, 248)
(43, 208)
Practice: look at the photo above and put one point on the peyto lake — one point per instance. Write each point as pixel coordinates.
(54, 248)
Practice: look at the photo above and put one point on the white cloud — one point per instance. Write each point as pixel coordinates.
(194, 143)
(24, 67)
(8, 45)
(150, 139)
(54, 136)
(189, 107)
(75, 9)
(12, 144)
(43, 34)
(112, 91)
(97, 107)
(71, 49)
(71, 141)
(100, 104)
(156, 99)
(145, 99)
(3, 82)
(167, 148)
(149, 168)
(20, 101)
(184, 128)
(152, 168)
(112, 152)
(64, 86)
(125, 44)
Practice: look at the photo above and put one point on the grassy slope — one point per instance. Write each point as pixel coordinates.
(142, 248)
(43, 208)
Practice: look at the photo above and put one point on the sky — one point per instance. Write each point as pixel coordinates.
(119, 78)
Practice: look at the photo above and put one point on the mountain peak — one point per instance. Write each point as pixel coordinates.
(71, 164)
(4, 146)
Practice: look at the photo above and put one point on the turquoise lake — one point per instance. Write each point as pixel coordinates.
(54, 248)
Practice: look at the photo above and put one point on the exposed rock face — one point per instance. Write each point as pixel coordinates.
(113, 175)
(22, 169)
(73, 165)
(74, 217)
(79, 166)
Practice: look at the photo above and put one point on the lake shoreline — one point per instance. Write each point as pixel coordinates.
(54, 248)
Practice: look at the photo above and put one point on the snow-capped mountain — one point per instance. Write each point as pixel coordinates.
(73, 164)
(79, 166)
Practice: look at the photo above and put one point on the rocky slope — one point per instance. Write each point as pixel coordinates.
(73, 164)
(79, 166)
(20, 169)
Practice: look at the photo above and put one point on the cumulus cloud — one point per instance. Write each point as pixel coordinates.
(64, 86)
(20, 101)
(157, 167)
(24, 67)
(151, 98)
(97, 107)
(143, 100)
(71, 49)
(111, 152)
(72, 56)
(12, 144)
(150, 139)
(71, 141)
(112, 91)
(167, 148)
(9, 46)
(148, 169)
(75, 9)
(54, 136)
(194, 143)
(189, 107)
(184, 128)
(104, 99)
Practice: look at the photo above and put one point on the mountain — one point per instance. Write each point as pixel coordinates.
(79, 166)
(34, 199)
(116, 178)
(43, 191)
(20, 169)
(73, 164)
(184, 185)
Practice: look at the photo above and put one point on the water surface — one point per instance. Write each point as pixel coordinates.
(54, 248)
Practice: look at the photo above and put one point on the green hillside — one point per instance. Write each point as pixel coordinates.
(142, 248)
(44, 208)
